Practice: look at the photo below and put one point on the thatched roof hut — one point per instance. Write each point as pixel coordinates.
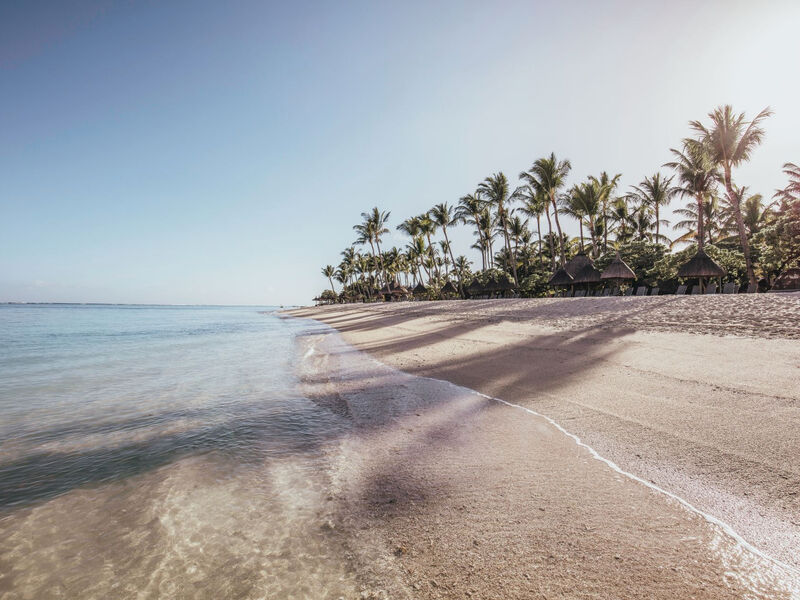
(419, 289)
(491, 284)
(789, 280)
(618, 270)
(475, 288)
(701, 265)
(587, 274)
(561, 278)
(504, 283)
(449, 288)
(576, 263)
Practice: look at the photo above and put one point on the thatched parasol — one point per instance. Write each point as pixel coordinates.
(475, 288)
(789, 280)
(491, 284)
(617, 270)
(504, 283)
(449, 288)
(587, 274)
(419, 290)
(576, 263)
(561, 278)
(701, 265)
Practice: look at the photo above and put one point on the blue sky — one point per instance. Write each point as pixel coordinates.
(208, 152)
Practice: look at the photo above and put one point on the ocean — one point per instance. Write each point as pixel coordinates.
(162, 452)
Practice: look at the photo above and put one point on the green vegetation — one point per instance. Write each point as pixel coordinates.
(521, 243)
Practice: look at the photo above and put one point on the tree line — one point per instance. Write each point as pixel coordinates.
(518, 229)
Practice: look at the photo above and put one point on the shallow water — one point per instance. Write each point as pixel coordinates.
(161, 452)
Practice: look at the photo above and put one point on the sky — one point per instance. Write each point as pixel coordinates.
(219, 153)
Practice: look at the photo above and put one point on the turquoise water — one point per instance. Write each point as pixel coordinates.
(159, 451)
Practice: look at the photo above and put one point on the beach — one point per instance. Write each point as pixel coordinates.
(617, 447)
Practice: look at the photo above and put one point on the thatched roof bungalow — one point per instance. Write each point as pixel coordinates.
(561, 278)
(576, 263)
(701, 265)
(449, 289)
(618, 270)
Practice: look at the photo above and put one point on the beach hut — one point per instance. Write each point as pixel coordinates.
(576, 263)
(701, 266)
(419, 291)
(618, 272)
(788, 281)
(587, 275)
(449, 290)
(560, 279)
(393, 291)
(504, 285)
(475, 289)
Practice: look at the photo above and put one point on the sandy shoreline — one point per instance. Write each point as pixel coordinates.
(713, 419)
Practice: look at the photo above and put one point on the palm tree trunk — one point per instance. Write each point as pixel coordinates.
(558, 228)
(734, 200)
(658, 225)
(452, 258)
(539, 235)
(511, 254)
(331, 282)
(550, 240)
(580, 226)
(700, 224)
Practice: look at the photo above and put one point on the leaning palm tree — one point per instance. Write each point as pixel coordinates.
(697, 175)
(548, 175)
(655, 192)
(754, 214)
(731, 140)
(496, 192)
(329, 272)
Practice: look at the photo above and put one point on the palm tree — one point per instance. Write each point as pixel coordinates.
(697, 175)
(754, 214)
(791, 193)
(548, 175)
(607, 186)
(495, 190)
(533, 205)
(442, 214)
(655, 192)
(328, 271)
(427, 227)
(709, 221)
(370, 231)
(469, 211)
(731, 140)
(584, 201)
(620, 215)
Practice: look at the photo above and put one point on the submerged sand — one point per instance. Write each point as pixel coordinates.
(467, 497)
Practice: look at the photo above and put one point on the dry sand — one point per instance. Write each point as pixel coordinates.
(471, 498)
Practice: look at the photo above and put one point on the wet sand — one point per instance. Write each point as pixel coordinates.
(471, 498)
